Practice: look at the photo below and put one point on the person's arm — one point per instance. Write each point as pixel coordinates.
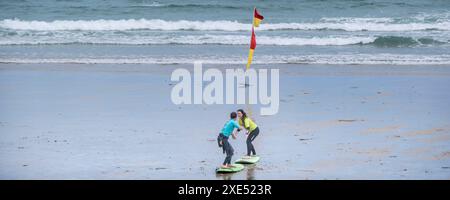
(247, 123)
(233, 135)
(241, 125)
(236, 125)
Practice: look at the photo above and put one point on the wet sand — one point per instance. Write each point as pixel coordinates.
(118, 122)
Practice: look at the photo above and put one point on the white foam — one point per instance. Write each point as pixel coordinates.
(125, 24)
(357, 24)
(153, 4)
(107, 38)
(329, 59)
(357, 20)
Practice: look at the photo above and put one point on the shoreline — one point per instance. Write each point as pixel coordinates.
(297, 69)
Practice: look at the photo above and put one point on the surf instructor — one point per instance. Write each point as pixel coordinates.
(252, 131)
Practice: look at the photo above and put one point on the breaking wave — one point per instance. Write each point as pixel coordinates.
(357, 24)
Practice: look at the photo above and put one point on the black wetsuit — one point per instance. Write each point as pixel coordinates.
(227, 148)
(251, 136)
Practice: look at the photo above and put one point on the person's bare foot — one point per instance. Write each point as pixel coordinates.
(225, 166)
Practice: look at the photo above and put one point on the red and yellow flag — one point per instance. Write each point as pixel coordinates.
(252, 48)
(257, 18)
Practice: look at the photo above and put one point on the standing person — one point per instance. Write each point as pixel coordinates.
(252, 131)
(227, 130)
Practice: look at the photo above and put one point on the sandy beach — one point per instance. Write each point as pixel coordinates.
(111, 121)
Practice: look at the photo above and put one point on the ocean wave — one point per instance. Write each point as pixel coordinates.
(348, 59)
(153, 4)
(399, 41)
(122, 25)
(121, 38)
(187, 5)
(357, 19)
(201, 6)
(370, 24)
(118, 39)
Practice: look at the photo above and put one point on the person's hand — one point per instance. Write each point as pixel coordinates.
(233, 136)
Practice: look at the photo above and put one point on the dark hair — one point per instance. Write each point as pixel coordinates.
(244, 115)
(233, 115)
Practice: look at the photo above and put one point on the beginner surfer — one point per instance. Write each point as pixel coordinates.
(252, 131)
(222, 139)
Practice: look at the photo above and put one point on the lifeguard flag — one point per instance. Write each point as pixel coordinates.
(257, 18)
(252, 48)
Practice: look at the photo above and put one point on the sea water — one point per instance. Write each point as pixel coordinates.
(414, 32)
